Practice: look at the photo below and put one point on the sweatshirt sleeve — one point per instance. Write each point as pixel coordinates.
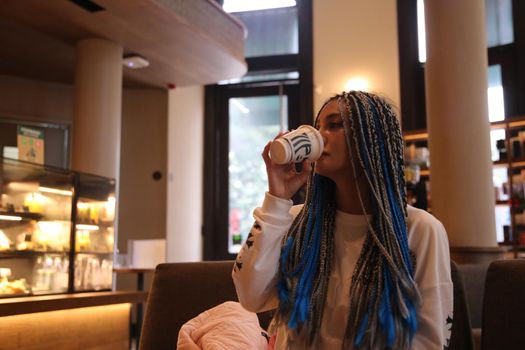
(255, 269)
(428, 240)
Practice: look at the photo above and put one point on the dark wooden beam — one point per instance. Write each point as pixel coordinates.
(518, 9)
(272, 64)
(411, 72)
(306, 86)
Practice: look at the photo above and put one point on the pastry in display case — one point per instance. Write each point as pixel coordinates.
(48, 218)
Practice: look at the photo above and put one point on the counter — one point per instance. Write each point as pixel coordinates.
(68, 321)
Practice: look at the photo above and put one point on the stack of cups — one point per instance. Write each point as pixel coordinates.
(304, 143)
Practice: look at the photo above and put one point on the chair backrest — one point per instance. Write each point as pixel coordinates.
(461, 337)
(179, 292)
(474, 277)
(504, 306)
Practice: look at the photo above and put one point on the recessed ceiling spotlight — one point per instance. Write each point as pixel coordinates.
(135, 61)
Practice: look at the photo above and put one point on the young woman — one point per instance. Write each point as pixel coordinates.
(354, 267)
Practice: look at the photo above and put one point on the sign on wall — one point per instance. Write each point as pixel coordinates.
(30, 143)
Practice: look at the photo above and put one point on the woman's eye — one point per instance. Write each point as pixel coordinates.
(335, 125)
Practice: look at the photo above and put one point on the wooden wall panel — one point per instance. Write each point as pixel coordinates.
(90, 328)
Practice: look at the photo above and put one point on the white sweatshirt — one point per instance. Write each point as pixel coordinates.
(256, 266)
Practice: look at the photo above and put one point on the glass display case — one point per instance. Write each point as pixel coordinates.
(50, 217)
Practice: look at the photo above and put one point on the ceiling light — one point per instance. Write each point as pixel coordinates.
(10, 218)
(55, 191)
(135, 62)
(87, 227)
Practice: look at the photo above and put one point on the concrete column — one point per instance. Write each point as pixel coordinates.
(98, 105)
(457, 120)
(185, 174)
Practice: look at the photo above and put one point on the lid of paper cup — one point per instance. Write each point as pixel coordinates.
(317, 137)
(280, 151)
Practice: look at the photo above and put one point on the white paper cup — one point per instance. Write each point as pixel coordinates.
(304, 143)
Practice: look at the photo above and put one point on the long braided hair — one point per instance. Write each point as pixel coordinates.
(383, 295)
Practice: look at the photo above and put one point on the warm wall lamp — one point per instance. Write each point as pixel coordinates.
(357, 83)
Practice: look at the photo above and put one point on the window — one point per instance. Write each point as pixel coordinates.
(505, 47)
(265, 26)
(421, 33)
(498, 16)
(498, 19)
(243, 114)
(495, 94)
(252, 122)
(254, 5)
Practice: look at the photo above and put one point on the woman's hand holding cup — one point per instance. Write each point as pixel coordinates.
(283, 179)
(304, 145)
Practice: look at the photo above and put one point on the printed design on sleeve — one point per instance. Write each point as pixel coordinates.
(238, 264)
(249, 240)
(247, 245)
(266, 336)
(447, 331)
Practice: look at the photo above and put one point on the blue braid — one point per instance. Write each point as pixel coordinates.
(386, 319)
(397, 213)
(383, 288)
(308, 264)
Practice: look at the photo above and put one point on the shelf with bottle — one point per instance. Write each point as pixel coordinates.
(40, 232)
(42, 274)
(91, 213)
(93, 271)
(36, 236)
(20, 254)
(512, 150)
(16, 217)
(508, 156)
(34, 198)
(96, 240)
(50, 274)
(417, 170)
(13, 287)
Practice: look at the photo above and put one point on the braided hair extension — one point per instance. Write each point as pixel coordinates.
(383, 294)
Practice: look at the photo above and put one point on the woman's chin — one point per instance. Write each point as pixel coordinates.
(321, 170)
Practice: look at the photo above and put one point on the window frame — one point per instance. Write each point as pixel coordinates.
(216, 125)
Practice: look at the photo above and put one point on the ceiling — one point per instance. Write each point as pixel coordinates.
(187, 42)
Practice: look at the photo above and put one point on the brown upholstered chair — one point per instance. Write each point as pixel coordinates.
(474, 277)
(504, 306)
(180, 292)
(461, 337)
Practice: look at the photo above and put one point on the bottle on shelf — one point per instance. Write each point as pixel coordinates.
(502, 149)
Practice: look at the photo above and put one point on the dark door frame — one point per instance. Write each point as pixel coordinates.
(216, 180)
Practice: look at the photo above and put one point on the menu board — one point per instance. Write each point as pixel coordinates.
(30, 143)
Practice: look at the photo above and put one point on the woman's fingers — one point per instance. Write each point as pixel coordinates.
(266, 153)
(280, 134)
(306, 170)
